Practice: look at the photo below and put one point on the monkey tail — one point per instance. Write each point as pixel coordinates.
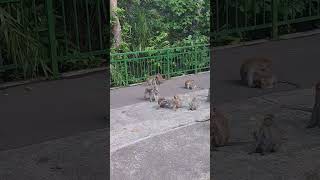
(290, 83)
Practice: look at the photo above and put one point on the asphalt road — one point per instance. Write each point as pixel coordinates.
(295, 60)
(52, 110)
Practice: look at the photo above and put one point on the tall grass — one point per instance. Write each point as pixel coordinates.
(21, 43)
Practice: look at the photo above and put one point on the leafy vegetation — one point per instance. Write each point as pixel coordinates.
(145, 25)
(156, 24)
(24, 38)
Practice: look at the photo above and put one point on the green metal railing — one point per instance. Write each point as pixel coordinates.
(74, 29)
(134, 67)
(236, 16)
(69, 29)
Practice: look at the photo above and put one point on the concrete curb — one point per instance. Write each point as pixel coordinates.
(262, 41)
(68, 75)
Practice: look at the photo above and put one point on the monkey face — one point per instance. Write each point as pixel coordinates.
(266, 83)
(160, 100)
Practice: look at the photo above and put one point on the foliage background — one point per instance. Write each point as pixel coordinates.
(155, 24)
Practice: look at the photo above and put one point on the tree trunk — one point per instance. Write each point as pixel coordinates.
(116, 28)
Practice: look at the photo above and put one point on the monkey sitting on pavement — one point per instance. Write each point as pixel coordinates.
(267, 137)
(190, 84)
(219, 128)
(153, 93)
(258, 73)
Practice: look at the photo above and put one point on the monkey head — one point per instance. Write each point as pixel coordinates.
(160, 100)
(268, 119)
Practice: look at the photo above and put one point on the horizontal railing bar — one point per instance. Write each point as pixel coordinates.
(148, 51)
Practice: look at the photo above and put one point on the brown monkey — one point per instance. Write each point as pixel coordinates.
(258, 73)
(267, 137)
(152, 92)
(251, 68)
(157, 79)
(190, 84)
(165, 103)
(177, 102)
(219, 129)
(173, 103)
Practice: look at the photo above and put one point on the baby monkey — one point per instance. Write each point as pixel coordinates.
(190, 84)
(267, 137)
(152, 92)
(174, 103)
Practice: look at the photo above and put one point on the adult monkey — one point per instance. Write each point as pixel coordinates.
(257, 72)
(219, 128)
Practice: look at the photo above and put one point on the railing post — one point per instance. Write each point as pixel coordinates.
(168, 65)
(52, 38)
(126, 71)
(197, 62)
(274, 19)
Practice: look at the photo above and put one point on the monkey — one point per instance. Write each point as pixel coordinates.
(267, 137)
(153, 92)
(219, 128)
(177, 102)
(151, 80)
(157, 78)
(173, 103)
(258, 73)
(252, 67)
(190, 84)
(194, 104)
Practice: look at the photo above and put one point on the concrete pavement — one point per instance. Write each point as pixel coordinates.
(298, 155)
